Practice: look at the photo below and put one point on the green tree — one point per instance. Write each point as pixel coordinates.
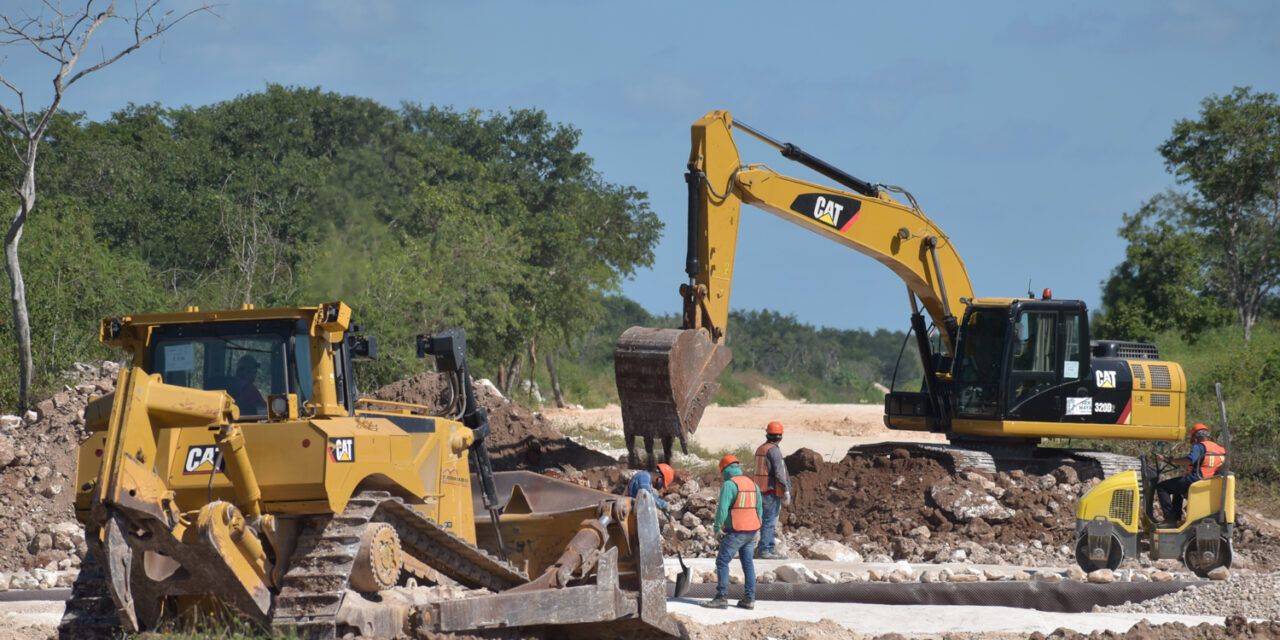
(60, 38)
(1230, 157)
(1163, 282)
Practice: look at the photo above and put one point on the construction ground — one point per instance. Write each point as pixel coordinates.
(888, 524)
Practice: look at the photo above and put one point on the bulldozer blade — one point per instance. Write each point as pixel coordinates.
(118, 562)
(665, 378)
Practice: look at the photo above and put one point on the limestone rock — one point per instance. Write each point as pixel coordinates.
(830, 550)
(1102, 576)
(963, 504)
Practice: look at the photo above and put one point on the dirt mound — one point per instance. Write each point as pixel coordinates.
(38, 528)
(518, 438)
(912, 508)
(1236, 627)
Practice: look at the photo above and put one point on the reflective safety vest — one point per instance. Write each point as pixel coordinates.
(742, 515)
(761, 476)
(1214, 457)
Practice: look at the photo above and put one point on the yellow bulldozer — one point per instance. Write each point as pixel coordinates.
(235, 468)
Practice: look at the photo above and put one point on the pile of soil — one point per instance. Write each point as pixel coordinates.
(38, 451)
(895, 504)
(519, 439)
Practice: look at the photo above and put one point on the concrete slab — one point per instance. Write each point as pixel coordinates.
(919, 621)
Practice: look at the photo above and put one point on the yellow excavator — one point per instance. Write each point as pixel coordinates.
(236, 468)
(1000, 374)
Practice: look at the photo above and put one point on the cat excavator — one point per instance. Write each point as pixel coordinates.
(1000, 374)
(235, 468)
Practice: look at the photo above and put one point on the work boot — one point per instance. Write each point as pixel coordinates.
(746, 604)
(718, 602)
(771, 555)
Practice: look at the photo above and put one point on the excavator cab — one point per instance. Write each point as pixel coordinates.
(1021, 359)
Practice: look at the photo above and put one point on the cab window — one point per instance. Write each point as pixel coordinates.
(247, 360)
(979, 363)
(1035, 355)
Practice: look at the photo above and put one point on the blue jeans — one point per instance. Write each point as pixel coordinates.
(771, 505)
(741, 544)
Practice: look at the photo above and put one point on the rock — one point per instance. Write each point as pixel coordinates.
(766, 577)
(4, 582)
(794, 573)
(827, 577)
(1221, 573)
(689, 520)
(1074, 572)
(830, 550)
(963, 505)
(8, 451)
(1066, 475)
(1048, 576)
(804, 460)
(1102, 576)
(1021, 576)
(921, 533)
(965, 577)
(1161, 576)
(994, 575)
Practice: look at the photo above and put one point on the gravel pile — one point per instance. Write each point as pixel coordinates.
(1250, 595)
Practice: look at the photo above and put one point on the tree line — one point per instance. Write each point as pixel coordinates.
(421, 218)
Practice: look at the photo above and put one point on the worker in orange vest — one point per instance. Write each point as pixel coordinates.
(738, 518)
(1204, 460)
(775, 488)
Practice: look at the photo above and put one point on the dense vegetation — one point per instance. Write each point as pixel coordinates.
(424, 218)
(420, 218)
(1202, 267)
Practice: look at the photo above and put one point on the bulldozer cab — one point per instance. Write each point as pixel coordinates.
(249, 360)
(1021, 359)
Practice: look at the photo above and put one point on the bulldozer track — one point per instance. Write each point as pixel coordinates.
(318, 578)
(90, 612)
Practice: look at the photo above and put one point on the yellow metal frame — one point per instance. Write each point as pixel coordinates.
(893, 234)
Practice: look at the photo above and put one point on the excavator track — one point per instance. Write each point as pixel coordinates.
(318, 578)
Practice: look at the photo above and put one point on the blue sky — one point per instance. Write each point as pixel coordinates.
(1024, 129)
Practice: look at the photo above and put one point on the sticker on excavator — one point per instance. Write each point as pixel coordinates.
(831, 210)
(342, 449)
(203, 459)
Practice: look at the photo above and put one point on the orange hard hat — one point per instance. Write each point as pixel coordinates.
(668, 474)
(1198, 427)
(728, 460)
(774, 428)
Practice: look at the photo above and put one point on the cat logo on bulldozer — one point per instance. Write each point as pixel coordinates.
(342, 449)
(203, 459)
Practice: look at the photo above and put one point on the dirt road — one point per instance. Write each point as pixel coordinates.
(829, 429)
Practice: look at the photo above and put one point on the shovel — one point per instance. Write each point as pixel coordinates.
(682, 580)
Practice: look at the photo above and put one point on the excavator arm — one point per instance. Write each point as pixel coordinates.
(868, 221)
(666, 376)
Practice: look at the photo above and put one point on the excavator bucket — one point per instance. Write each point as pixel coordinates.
(665, 378)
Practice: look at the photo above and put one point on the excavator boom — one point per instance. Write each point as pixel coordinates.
(1007, 369)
